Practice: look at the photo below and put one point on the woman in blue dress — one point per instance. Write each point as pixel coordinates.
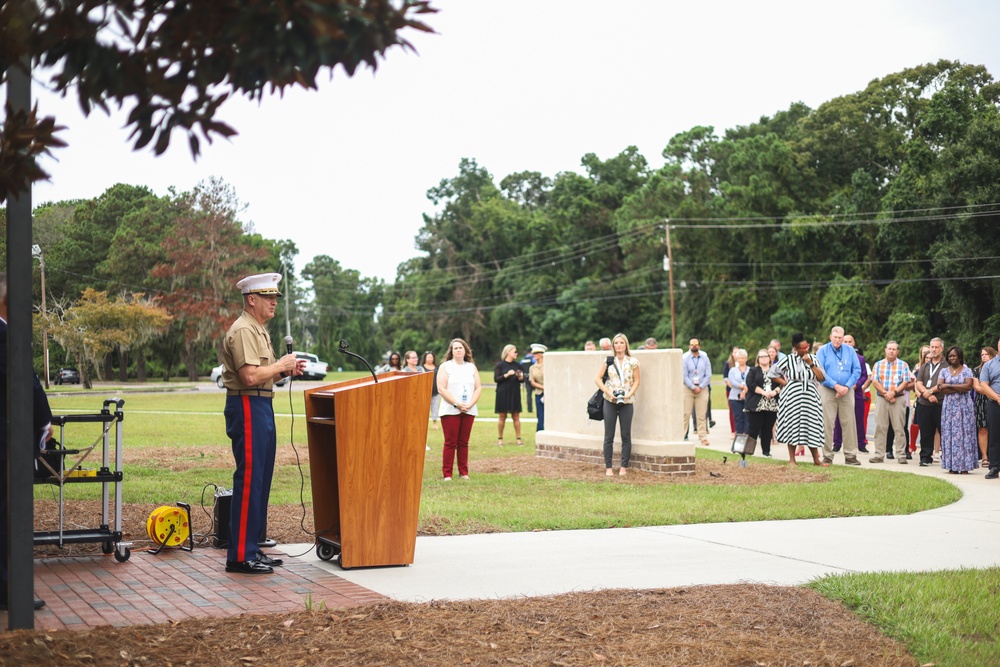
(959, 446)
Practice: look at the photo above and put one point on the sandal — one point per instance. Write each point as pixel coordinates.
(499, 442)
(519, 443)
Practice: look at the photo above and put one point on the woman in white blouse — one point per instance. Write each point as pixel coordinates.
(459, 386)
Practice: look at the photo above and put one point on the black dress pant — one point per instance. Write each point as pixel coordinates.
(762, 428)
(930, 423)
(993, 425)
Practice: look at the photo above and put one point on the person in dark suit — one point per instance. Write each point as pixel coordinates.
(42, 423)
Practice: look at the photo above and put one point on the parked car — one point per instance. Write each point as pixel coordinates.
(66, 376)
(216, 377)
(315, 369)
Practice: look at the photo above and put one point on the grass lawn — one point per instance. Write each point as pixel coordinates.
(186, 431)
(944, 618)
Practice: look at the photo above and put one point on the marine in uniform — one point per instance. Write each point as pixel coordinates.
(249, 376)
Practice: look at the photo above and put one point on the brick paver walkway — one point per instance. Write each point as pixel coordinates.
(89, 591)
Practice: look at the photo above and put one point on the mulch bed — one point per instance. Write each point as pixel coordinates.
(747, 625)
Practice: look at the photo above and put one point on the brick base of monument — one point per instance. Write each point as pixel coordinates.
(661, 465)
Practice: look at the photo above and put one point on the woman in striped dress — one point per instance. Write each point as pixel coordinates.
(800, 413)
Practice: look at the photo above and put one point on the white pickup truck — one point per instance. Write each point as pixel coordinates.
(315, 369)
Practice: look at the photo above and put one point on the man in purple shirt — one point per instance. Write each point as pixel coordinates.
(859, 404)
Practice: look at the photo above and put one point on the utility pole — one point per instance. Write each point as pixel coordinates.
(36, 251)
(18, 487)
(670, 275)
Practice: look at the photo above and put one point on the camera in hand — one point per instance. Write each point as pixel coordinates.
(619, 396)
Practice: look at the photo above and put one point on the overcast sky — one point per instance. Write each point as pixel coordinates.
(518, 85)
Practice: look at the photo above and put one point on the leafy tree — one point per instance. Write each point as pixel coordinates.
(174, 64)
(204, 259)
(93, 326)
(344, 307)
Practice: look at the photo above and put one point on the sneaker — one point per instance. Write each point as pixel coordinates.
(993, 473)
(876, 459)
(851, 461)
(446, 479)
(767, 456)
(827, 461)
(901, 461)
(463, 477)
(924, 464)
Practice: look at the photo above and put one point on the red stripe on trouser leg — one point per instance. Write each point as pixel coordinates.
(247, 479)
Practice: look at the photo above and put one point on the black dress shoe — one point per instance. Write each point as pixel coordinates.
(248, 567)
(993, 473)
(890, 455)
(267, 560)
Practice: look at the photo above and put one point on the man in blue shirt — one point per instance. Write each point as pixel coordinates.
(989, 384)
(697, 380)
(840, 364)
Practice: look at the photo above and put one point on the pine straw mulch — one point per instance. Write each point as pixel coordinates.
(747, 625)
(751, 625)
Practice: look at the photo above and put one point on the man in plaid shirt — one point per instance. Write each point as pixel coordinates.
(891, 379)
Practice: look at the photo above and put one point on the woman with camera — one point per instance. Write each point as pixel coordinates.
(618, 379)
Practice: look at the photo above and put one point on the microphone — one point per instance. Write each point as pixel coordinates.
(288, 344)
(343, 349)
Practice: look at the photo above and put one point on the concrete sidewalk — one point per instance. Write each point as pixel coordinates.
(500, 565)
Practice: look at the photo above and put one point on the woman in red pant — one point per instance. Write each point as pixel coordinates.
(459, 386)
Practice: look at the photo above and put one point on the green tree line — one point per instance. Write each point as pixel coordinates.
(876, 211)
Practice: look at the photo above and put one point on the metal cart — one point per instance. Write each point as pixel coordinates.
(63, 466)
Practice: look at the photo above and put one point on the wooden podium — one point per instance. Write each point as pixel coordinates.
(367, 444)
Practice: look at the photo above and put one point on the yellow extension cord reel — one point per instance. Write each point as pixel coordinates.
(169, 526)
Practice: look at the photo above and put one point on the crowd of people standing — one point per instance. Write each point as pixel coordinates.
(815, 399)
(818, 398)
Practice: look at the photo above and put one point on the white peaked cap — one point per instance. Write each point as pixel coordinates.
(264, 283)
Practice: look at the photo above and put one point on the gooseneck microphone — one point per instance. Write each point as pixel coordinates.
(343, 350)
(288, 344)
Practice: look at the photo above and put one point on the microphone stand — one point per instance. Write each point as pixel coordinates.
(343, 350)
